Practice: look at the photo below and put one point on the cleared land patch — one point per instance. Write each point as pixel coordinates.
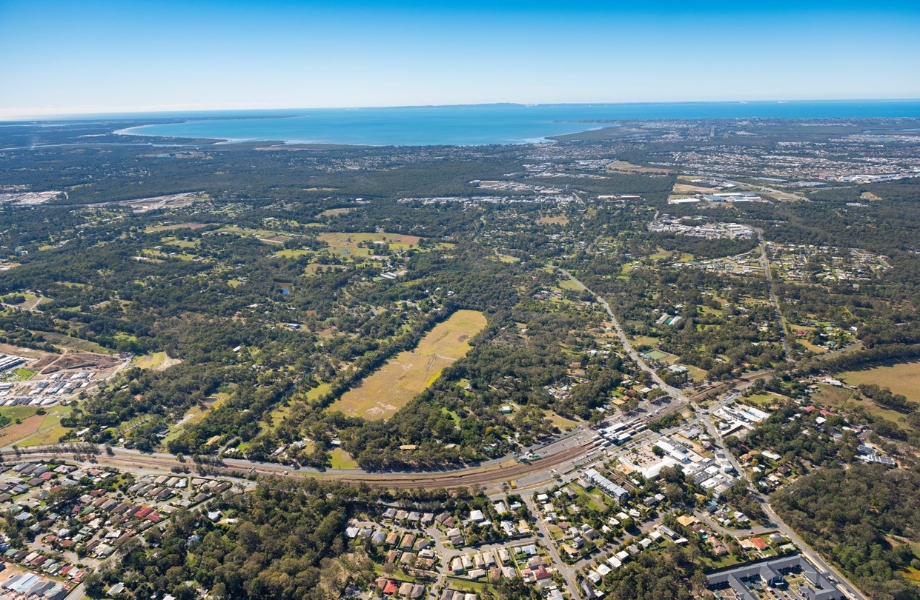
(686, 188)
(333, 212)
(75, 344)
(15, 432)
(339, 459)
(347, 243)
(159, 228)
(561, 422)
(560, 220)
(157, 361)
(902, 378)
(571, 285)
(50, 430)
(402, 378)
(844, 399)
(621, 166)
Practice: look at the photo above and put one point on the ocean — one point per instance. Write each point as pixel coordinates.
(484, 124)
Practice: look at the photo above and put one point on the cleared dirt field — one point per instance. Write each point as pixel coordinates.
(686, 188)
(903, 378)
(560, 220)
(622, 166)
(82, 360)
(402, 378)
(14, 432)
(48, 431)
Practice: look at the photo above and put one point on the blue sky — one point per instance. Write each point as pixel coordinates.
(93, 56)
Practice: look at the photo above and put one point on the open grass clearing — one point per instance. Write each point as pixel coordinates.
(621, 166)
(595, 500)
(293, 253)
(555, 531)
(844, 399)
(45, 437)
(347, 243)
(194, 415)
(686, 188)
(318, 392)
(73, 344)
(810, 347)
(263, 235)
(403, 377)
(467, 585)
(339, 459)
(561, 422)
(158, 361)
(175, 227)
(33, 301)
(14, 413)
(901, 378)
(645, 340)
(571, 285)
(22, 373)
(558, 220)
(696, 374)
(334, 212)
(832, 396)
(278, 415)
(765, 400)
(51, 420)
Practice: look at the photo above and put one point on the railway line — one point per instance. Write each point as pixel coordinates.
(468, 477)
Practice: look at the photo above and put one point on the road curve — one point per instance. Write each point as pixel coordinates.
(627, 345)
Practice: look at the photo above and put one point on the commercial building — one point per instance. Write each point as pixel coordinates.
(772, 573)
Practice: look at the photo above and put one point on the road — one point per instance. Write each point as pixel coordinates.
(807, 550)
(673, 391)
(491, 476)
(768, 274)
(779, 524)
(568, 573)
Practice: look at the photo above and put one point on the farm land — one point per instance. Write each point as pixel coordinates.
(402, 378)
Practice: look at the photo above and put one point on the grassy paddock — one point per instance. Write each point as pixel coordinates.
(403, 377)
(901, 378)
(347, 243)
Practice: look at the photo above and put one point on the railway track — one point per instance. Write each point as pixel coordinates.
(472, 476)
(489, 475)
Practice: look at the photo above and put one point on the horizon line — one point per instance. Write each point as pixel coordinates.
(166, 112)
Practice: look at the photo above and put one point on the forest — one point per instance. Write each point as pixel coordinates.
(866, 519)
